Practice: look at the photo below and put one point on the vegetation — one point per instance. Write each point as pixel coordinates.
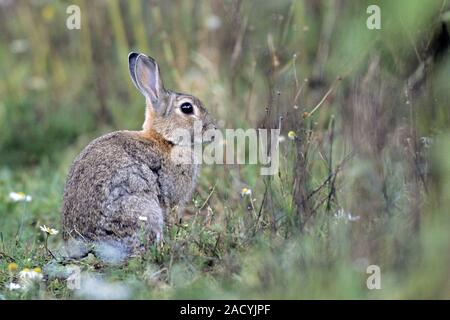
(364, 172)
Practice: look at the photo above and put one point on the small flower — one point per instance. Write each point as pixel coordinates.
(292, 135)
(49, 231)
(27, 277)
(246, 192)
(13, 267)
(48, 12)
(19, 46)
(213, 22)
(37, 270)
(143, 218)
(13, 286)
(27, 274)
(36, 83)
(346, 216)
(352, 218)
(19, 197)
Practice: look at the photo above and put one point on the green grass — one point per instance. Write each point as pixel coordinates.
(371, 150)
(215, 254)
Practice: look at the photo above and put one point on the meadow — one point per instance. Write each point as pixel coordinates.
(364, 176)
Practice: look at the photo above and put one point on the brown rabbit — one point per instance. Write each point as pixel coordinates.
(121, 186)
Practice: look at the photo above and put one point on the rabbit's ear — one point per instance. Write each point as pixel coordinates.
(144, 72)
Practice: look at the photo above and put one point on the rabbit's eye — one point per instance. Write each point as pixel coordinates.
(187, 108)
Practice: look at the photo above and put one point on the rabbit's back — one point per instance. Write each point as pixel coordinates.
(121, 182)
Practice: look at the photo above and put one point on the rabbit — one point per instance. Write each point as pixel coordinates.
(122, 186)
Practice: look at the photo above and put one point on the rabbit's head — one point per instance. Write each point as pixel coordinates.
(167, 111)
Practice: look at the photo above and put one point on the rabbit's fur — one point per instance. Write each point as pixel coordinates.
(122, 185)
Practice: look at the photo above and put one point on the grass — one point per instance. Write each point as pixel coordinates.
(364, 182)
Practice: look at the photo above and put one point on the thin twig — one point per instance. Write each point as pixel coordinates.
(299, 91)
(330, 176)
(260, 210)
(330, 165)
(209, 196)
(333, 86)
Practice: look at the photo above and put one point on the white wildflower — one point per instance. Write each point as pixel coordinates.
(352, 218)
(19, 46)
(13, 286)
(246, 192)
(292, 135)
(213, 22)
(36, 83)
(30, 274)
(347, 216)
(48, 230)
(19, 197)
(28, 277)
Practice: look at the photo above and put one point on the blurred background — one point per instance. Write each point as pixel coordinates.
(364, 115)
